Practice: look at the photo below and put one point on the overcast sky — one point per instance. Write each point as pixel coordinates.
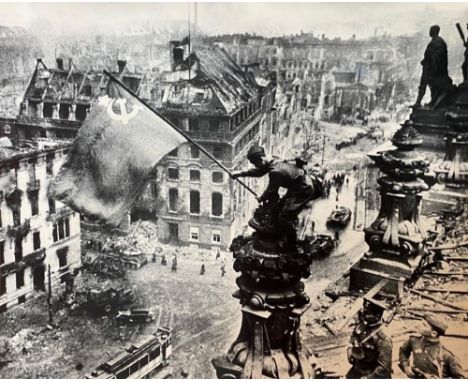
(333, 19)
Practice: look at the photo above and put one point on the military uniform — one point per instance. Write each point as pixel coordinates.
(370, 353)
(301, 187)
(370, 349)
(429, 357)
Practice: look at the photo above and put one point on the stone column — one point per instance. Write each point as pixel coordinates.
(273, 300)
(396, 239)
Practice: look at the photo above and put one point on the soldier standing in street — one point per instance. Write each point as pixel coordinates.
(174, 264)
(223, 269)
(370, 349)
(163, 259)
(430, 358)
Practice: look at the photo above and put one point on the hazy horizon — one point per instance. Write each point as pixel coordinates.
(269, 19)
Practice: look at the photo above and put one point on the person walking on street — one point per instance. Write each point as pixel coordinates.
(202, 269)
(174, 264)
(223, 269)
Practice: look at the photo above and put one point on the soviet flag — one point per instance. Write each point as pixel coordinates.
(113, 155)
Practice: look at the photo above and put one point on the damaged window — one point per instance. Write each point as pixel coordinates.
(173, 199)
(194, 151)
(218, 152)
(18, 249)
(51, 206)
(36, 240)
(173, 173)
(62, 257)
(193, 124)
(20, 279)
(2, 285)
(194, 202)
(34, 200)
(217, 177)
(2, 252)
(61, 229)
(216, 204)
(194, 175)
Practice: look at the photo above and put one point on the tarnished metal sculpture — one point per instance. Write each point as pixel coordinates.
(396, 239)
(272, 263)
(453, 171)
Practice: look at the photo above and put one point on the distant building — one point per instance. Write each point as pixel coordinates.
(385, 64)
(342, 96)
(225, 109)
(35, 232)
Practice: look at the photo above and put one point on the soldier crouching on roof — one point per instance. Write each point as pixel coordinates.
(370, 349)
(301, 187)
(430, 358)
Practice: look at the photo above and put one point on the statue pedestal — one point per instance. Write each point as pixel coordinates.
(396, 239)
(273, 300)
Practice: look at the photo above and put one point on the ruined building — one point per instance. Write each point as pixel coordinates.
(35, 232)
(342, 94)
(58, 99)
(225, 109)
(222, 106)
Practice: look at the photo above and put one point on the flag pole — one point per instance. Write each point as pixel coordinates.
(186, 136)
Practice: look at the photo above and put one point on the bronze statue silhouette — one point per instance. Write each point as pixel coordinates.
(464, 66)
(434, 70)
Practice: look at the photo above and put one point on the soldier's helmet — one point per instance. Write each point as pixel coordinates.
(255, 152)
(374, 306)
(436, 324)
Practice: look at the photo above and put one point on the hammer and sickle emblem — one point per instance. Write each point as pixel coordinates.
(123, 116)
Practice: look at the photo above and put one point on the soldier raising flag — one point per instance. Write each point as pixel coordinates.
(115, 153)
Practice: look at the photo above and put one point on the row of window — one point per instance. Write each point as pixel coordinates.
(217, 152)
(194, 202)
(63, 261)
(193, 124)
(173, 174)
(195, 235)
(34, 201)
(244, 114)
(247, 138)
(60, 231)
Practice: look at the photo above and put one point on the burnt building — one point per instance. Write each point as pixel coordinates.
(226, 109)
(35, 232)
(58, 99)
(343, 95)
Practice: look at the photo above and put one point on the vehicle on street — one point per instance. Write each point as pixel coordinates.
(109, 299)
(340, 217)
(323, 245)
(135, 315)
(143, 359)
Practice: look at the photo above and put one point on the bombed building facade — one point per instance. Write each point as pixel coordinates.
(36, 232)
(58, 99)
(225, 109)
(300, 62)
